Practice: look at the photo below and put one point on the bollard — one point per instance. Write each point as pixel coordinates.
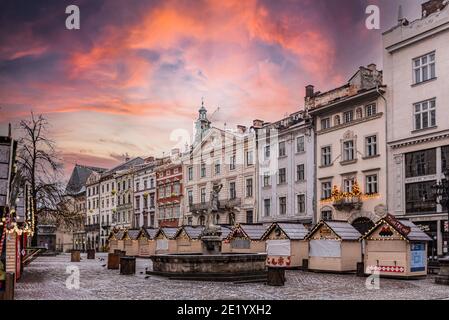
(276, 276)
(91, 254)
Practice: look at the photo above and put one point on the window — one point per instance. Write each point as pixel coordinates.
(190, 197)
(370, 110)
(326, 156)
(300, 174)
(282, 176)
(266, 207)
(249, 216)
(420, 163)
(326, 215)
(301, 203)
(347, 185)
(267, 152)
(168, 191)
(418, 197)
(217, 167)
(425, 114)
(348, 150)
(326, 190)
(137, 186)
(300, 144)
(337, 120)
(124, 185)
(348, 116)
(325, 123)
(444, 158)
(249, 158)
(266, 179)
(145, 184)
(232, 163)
(177, 188)
(282, 149)
(371, 146)
(203, 170)
(190, 173)
(282, 205)
(232, 191)
(203, 195)
(424, 68)
(371, 184)
(249, 188)
(138, 202)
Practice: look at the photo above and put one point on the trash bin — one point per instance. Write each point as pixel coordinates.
(127, 265)
(113, 261)
(75, 256)
(91, 254)
(276, 276)
(360, 269)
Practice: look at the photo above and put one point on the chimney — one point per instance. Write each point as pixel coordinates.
(257, 124)
(241, 129)
(309, 91)
(9, 130)
(432, 6)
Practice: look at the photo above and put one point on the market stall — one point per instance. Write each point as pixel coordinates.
(112, 241)
(147, 242)
(165, 240)
(245, 238)
(120, 236)
(396, 248)
(131, 243)
(334, 246)
(286, 245)
(188, 239)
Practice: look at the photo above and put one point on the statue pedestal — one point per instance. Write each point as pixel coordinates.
(211, 241)
(443, 276)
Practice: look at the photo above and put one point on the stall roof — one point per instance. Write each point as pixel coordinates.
(342, 229)
(133, 234)
(294, 231)
(252, 231)
(169, 232)
(194, 232)
(405, 228)
(120, 234)
(151, 232)
(111, 235)
(225, 231)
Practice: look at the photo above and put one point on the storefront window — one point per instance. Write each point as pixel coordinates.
(421, 163)
(419, 197)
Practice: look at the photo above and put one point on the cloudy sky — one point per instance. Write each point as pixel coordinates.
(132, 78)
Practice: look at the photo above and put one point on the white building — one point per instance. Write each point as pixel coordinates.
(350, 149)
(286, 169)
(416, 68)
(225, 157)
(145, 195)
(92, 223)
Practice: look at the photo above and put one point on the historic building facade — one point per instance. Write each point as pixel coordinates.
(350, 149)
(145, 195)
(220, 157)
(124, 216)
(416, 67)
(285, 169)
(169, 195)
(92, 223)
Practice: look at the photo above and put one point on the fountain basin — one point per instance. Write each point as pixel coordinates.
(218, 267)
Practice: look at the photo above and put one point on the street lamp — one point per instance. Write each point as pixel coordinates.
(441, 192)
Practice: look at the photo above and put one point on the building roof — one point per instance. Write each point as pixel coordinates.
(133, 234)
(294, 231)
(191, 231)
(251, 231)
(78, 179)
(126, 165)
(342, 229)
(405, 228)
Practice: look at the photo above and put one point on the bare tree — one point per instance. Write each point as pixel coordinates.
(39, 163)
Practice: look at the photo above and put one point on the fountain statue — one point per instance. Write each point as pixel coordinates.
(211, 236)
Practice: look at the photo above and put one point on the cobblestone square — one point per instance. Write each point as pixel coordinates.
(45, 279)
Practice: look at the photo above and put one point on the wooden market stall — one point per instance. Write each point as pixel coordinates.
(120, 236)
(131, 242)
(113, 241)
(188, 239)
(334, 246)
(165, 240)
(286, 245)
(396, 248)
(245, 238)
(147, 242)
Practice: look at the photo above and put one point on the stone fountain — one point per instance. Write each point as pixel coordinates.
(211, 264)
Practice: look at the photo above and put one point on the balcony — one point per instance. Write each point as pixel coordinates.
(348, 203)
(92, 227)
(197, 207)
(226, 204)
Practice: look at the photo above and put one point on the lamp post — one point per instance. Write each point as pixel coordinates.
(441, 192)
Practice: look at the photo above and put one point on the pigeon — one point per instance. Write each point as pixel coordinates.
(147, 277)
(104, 265)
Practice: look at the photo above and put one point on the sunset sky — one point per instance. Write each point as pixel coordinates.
(136, 70)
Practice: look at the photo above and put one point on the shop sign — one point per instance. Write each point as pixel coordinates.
(404, 230)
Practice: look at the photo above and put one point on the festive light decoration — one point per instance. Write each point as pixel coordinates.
(355, 193)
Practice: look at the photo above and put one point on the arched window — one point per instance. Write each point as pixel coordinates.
(337, 120)
(202, 221)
